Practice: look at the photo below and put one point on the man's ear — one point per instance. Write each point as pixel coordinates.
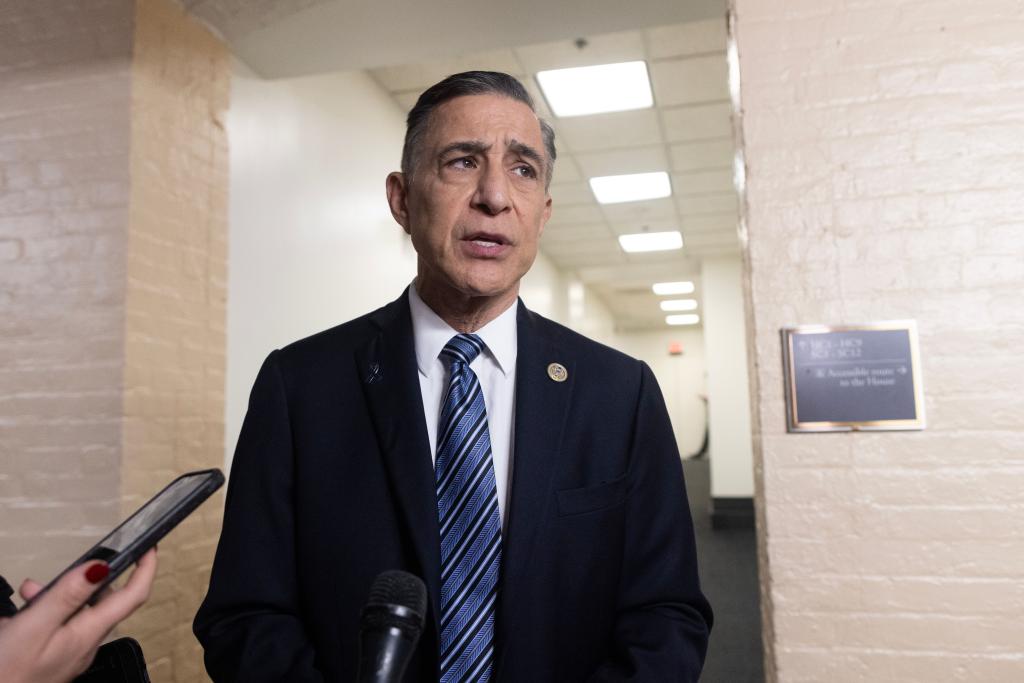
(397, 190)
(546, 215)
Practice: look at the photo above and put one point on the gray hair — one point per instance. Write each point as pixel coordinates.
(469, 83)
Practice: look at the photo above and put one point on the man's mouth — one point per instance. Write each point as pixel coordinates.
(487, 239)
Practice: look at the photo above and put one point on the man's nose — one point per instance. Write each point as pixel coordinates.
(492, 191)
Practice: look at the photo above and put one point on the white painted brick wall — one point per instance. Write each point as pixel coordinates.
(884, 144)
(113, 252)
(64, 186)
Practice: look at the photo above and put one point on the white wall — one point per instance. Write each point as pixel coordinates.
(730, 447)
(544, 290)
(560, 296)
(588, 315)
(682, 378)
(312, 243)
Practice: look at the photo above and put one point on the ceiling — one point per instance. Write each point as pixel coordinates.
(688, 133)
(283, 38)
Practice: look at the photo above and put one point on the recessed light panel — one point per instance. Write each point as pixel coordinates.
(679, 305)
(635, 187)
(597, 89)
(651, 241)
(672, 288)
(683, 319)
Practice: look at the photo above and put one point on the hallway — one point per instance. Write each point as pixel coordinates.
(728, 572)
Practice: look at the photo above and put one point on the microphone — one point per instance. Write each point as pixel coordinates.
(390, 626)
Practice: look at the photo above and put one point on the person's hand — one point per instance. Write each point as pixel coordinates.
(45, 643)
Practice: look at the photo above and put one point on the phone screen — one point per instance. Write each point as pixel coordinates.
(151, 514)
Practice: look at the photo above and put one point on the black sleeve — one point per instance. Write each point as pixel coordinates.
(249, 624)
(663, 621)
(7, 608)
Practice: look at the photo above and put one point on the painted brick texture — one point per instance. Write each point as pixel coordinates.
(175, 309)
(883, 144)
(65, 86)
(113, 251)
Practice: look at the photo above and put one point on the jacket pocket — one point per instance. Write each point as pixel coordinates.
(592, 498)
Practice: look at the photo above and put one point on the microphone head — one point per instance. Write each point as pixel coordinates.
(397, 600)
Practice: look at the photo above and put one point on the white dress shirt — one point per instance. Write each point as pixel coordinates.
(495, 367)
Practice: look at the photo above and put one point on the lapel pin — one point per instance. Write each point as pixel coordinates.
(557, 372)
(373, 373)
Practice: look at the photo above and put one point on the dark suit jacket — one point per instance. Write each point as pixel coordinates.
(332, 483)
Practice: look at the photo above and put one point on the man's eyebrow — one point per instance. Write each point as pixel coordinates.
(479, 146)
(524, 150)
(464, 147)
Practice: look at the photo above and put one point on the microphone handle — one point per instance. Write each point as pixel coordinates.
(384, 654)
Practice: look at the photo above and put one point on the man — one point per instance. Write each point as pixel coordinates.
(527, 474)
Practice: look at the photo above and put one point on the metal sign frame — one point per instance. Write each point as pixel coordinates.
(793, 422)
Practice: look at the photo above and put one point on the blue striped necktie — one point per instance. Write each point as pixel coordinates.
(467, 513)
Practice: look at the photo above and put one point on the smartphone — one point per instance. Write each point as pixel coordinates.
(123, 546)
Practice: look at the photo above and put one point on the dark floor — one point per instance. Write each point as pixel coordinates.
(728, 572)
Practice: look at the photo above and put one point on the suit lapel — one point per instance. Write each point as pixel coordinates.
(541, 408)
(387, 366)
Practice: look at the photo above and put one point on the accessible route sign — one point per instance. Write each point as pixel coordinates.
(852, 377)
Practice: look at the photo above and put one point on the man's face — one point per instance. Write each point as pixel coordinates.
(476, 203)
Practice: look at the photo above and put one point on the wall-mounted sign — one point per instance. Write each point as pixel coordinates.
(852, 377)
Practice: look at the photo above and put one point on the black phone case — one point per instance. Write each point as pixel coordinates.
(119, 562)
(131, 555)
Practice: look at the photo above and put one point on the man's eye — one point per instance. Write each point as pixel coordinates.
(462, 162)
(525, 171)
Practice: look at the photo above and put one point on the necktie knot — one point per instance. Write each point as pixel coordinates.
(463, 348)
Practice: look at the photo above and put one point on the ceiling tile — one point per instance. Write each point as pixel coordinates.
(702, 182)
(594, 246)
(607, 48)
(712, 222)
(577, 232)
(712, 242)
(691, 38)
(623, 161)
(725, 202)
(660, 257)
(576, 214)
(539, 103)
(420, 76)
(697, 122)
(618, 129)
(640, 213)
(566, 170)
(587, 260)
(697, 156)
(689, 132)
(567, 194)
(632, 225)
(689, 80)
(632, 275)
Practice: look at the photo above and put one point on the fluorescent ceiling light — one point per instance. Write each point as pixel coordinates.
(597, 89)
(683, 319)
(651, 241)
(679, 305)
(615, 189)
(672, 288)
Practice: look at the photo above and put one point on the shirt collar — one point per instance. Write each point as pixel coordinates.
(431, 333)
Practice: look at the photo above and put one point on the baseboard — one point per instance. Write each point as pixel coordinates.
(732, 513)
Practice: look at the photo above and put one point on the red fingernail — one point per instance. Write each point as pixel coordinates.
(97, 572)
